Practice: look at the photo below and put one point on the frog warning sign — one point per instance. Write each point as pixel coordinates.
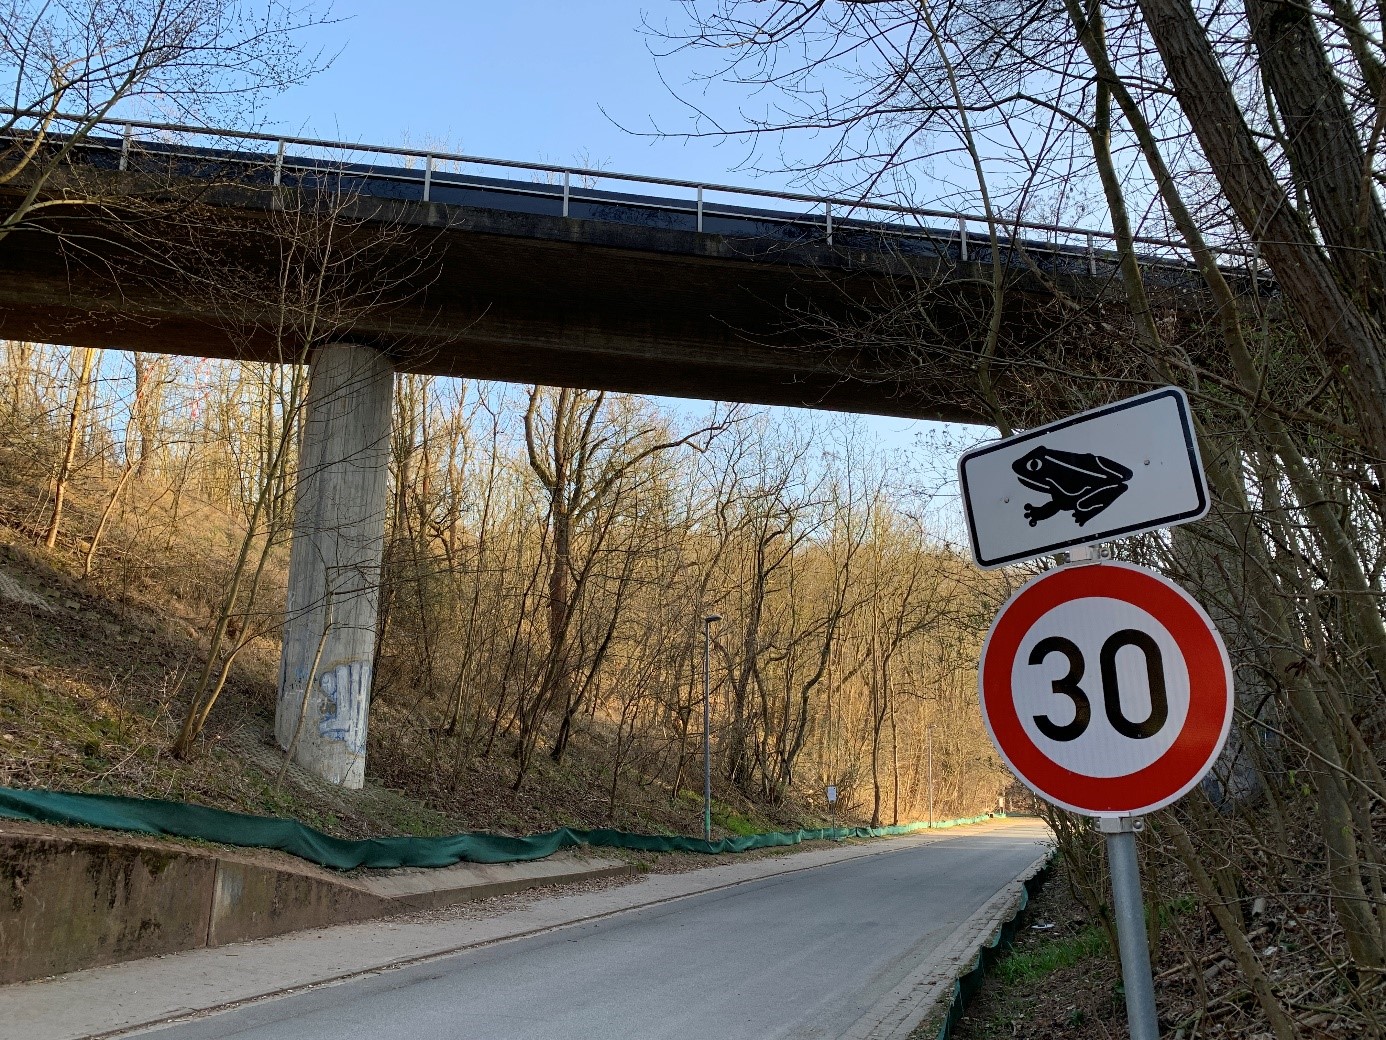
(1129, 467)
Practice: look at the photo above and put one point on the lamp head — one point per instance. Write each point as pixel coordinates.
(711, 618)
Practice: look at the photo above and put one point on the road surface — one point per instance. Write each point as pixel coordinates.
(803, 955)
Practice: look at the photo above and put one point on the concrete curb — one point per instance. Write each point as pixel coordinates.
(429, 888)
(933, 983)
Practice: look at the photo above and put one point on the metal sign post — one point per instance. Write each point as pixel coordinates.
(1108, 691)
(1136, 977)
(1105, 687)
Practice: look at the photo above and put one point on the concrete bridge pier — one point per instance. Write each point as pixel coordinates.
(334, 563)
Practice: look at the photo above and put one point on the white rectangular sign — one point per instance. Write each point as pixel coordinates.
(1115, 471)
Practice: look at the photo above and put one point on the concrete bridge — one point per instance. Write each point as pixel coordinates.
(534, 274)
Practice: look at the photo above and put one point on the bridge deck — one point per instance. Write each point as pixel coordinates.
(557, 282)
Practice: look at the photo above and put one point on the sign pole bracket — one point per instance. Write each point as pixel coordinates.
(1129, 911)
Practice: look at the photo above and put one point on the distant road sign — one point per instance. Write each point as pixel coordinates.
(1116, 471)
(1106, 688)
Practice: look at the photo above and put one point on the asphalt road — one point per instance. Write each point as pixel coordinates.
(801, 956)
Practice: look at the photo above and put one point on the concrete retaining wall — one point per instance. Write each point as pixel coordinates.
(72, 899)
(70, 903)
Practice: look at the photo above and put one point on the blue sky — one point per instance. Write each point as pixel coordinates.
(535, 80)
(521, 79)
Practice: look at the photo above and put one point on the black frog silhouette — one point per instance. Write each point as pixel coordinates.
(1081, 483)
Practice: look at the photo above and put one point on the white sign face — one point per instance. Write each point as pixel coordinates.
(1115, 471)
(1052, 722)
(1106, 688)
(832, 793)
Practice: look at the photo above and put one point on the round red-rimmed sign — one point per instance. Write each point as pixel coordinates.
(1106, 688)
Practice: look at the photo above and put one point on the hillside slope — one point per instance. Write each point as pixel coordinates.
(93, 676)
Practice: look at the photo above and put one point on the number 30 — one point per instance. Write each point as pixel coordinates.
(1111, 692)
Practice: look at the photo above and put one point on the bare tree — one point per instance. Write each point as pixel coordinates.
(68, 66)
(81, 390)
(584, 459)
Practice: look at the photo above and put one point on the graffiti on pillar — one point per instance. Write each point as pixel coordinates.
(345, 700)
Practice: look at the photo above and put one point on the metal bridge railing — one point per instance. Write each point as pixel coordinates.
(570, 186)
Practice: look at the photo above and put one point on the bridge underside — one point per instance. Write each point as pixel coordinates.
(486, 294)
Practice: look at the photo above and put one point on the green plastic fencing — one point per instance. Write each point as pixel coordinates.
(971, 980)
(153, 816)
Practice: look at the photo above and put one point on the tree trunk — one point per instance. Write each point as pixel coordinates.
(142, 410)
(1350, 341)
(90, 559)
(1321, 143)
(74, 433)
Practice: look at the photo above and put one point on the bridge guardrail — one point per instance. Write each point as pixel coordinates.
(433, 175)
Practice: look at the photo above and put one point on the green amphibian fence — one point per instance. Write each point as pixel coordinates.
(152, 816)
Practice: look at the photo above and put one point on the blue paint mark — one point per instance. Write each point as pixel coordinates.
(345, 701)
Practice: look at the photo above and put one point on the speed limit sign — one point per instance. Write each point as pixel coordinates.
(1106, 688)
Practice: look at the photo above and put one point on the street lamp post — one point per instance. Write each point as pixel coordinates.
(708, 622)
(931, 776)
